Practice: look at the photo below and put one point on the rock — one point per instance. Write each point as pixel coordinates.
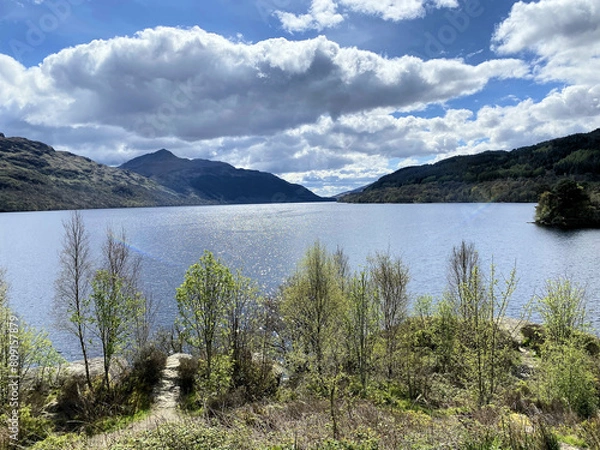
(2, 135)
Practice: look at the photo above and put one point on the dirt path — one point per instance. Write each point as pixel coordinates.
(165, 408)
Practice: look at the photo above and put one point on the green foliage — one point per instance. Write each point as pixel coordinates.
(567, 374)
(113, 311)
(390, 278)
(183, 436)
(24, 352)
(567, 379)
(61, 441)
(480, 308)
(33, 427)
(562, 309)
(567, 205)
(362, 322)
(493, 176)
(333, 444)
(313, 309)
(452, 383)
(203, 300)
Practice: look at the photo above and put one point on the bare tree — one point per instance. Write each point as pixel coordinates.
(342, 266)
(463, 277)
(120, 262)
(72, 286)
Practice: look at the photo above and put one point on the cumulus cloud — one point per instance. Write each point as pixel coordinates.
(370, 140)
(196, 85)
(563, 34)
(324, 13)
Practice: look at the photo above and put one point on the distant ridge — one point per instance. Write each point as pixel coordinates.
(35, 177)
(217, 182)
(519, 175)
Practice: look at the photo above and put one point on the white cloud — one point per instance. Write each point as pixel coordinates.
(379, 137)
(563, 34)
(324, 13)
(196, 85)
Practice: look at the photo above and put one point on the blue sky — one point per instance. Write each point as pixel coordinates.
(331, 94)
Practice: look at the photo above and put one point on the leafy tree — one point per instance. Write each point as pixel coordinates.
(72, 287)
(567, 377)
(390, 277)
(567, 370)
(480, 309)
(204, 298)
(362, 324)
(243, 316)
(567, 205)
(22, 348)
(114, 308)
(312, 308)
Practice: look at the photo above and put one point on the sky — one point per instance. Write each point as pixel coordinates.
(331, 94)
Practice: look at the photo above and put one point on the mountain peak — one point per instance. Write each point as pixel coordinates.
(215, 181)
(163, 153)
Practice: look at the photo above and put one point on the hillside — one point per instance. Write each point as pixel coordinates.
(35, 177)
(519, 175)
(217, 182)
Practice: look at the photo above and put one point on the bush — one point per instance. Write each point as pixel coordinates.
(145, 373)
(188, 372)
(74, 403)
(63, 441)
(567, 380)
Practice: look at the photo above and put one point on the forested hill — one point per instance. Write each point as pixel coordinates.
(519, 175)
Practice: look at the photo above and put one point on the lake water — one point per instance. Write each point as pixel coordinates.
(266, 242)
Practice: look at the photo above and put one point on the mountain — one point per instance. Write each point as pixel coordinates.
(217, 182)
(519, 175)
(35, 177)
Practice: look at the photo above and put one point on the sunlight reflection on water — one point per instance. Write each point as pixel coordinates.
(266, 242)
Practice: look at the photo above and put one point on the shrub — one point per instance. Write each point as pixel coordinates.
(145, 373)
(63, 441)
(567, 379)
(188, 372)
